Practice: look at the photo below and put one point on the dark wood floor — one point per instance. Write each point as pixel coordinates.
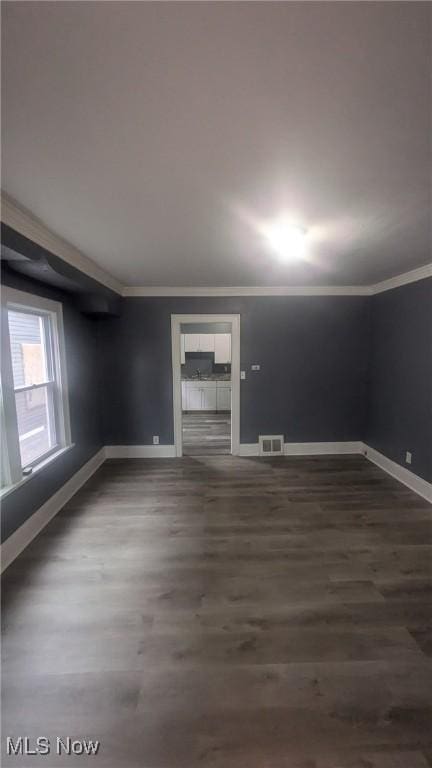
(227, 613)
(206, 434)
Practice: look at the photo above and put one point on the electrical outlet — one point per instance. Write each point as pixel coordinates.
(255, 367)
(408, 457)
(155, 439)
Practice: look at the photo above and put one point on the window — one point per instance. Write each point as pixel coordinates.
(34, 399)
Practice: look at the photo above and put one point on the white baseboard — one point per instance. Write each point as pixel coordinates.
(22, 537)
(140, 451)
(405, 476)
(318, 449)
(306, 449)
(249, 449)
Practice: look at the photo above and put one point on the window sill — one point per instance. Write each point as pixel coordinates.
(36, 469)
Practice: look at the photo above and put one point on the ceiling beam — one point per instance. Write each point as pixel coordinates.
(28, 225)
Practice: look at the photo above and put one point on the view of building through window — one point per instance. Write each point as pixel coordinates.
(30, 340)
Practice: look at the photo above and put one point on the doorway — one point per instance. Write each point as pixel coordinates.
(206, 384)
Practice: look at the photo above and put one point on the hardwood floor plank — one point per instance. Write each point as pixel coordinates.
(206, 434)
(226, 612)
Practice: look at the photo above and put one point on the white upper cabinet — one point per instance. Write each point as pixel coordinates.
(219, 343)
(206, 342)
(192, 342)
(222, 347)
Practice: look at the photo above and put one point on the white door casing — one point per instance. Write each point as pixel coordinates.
(176, 322)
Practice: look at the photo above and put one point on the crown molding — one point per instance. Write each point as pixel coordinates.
(407, 277)
(28, 225)
(413, 276)
(347, 290)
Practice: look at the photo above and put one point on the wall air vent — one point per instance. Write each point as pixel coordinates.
(271, 445)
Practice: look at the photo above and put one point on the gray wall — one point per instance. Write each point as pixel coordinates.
(313, 353)
(332, 368)
(82, 370)
(400, 381)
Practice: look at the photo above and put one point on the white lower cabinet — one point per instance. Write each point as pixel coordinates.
(223, 398)
(194, 399)
(206, 396)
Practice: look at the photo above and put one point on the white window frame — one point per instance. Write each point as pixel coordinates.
(12, 472)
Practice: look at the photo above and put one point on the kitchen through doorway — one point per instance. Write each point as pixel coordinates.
(203, 369)
(206, 388)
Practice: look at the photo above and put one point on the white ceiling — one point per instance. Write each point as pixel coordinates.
(156, 136)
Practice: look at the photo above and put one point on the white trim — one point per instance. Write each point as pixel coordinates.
(300, 290)
(28, 225)
(22, 300)
(415, 483)
(347, 290)
(60, 366)
(405, 476)
(28, 300)
(31, 227)
(249, 449)
(176, 384)
(408, 277)
(36, 468)
(176, 322)
(306, 449)
(319, 449)
(21, 538)
(10, 447)
(140, 451)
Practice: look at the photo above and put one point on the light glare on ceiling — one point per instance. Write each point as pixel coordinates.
(287, 239)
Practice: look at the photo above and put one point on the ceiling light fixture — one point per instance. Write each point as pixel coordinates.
(287, 239)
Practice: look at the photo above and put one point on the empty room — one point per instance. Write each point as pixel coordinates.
(216, 384)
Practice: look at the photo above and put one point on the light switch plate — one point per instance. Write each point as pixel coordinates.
(408, 457)
(155, 439)
(255, 367)
(242, 374)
